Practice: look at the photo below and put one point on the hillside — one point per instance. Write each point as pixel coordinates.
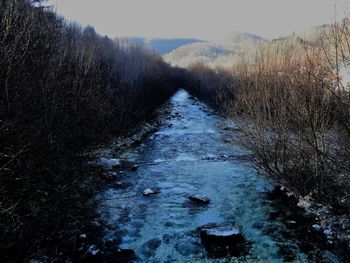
(163, 45)
(223, 52)
(226, 51)
(205, 52)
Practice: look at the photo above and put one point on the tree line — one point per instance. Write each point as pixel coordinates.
(63, 87)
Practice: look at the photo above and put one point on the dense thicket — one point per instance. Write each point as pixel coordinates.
(214, 86)
(292, 107)
(62, 87)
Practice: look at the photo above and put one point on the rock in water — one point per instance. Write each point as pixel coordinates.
(149, 191)
(222, 241)
(150, 247)
(200, 199)
(135, 167)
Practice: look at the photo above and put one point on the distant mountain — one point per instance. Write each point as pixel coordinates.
(162, 45)
(237, 40)
(188, 54)
(223, 52)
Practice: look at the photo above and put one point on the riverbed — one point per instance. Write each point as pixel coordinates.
(195, 151)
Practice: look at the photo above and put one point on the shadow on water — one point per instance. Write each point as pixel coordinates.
(190, 154)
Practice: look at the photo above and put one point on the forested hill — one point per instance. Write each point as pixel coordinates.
(227, 51)
(162, 45)
(223, 52)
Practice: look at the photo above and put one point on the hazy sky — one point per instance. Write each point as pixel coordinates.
(205, 19)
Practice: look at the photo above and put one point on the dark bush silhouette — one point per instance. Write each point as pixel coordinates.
(62, 87)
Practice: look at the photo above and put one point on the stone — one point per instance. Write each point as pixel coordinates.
(291, 224)
(305, 202)
(222, 241)
(317, 227)
(135, 167)
(93, 250)
(327, 232)
(92, 254)
(153, 243)
(109, 162)
(151, 246)
(149, 192)
(199, 199)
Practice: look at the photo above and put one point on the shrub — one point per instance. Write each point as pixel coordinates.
(62, 87)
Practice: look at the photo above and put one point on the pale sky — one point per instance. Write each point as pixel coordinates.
(204, 19)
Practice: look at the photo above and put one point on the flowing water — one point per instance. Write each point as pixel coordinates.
(193, 153)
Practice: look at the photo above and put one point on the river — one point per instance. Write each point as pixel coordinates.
(194, 152)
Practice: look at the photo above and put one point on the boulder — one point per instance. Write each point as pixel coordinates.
(199, 199)
(222, 241)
